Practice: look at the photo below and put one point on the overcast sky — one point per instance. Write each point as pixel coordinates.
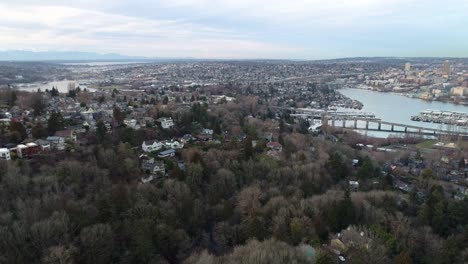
(287, 29)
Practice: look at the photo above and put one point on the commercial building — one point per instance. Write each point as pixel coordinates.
(447, 67)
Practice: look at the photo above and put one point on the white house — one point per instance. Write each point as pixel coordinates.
(173, 144)
(207, 131)
(57, 142)
(151, 145)
(354, 185)
(132, 123)
(5, 154)
(166, 122)
(20, 149)
(315, 126)
(44, 144)
(88, 114)
(222, 98)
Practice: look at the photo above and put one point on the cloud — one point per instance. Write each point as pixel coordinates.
(67, 28)
(238, 29)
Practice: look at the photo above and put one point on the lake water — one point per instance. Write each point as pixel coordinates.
(62, 86)
(399, 109)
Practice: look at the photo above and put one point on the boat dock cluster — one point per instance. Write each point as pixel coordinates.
(442, 117)
(347, 103)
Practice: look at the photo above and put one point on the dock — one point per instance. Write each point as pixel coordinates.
(442, 117)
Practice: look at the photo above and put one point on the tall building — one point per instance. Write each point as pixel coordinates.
(407, 67)
(447, 67)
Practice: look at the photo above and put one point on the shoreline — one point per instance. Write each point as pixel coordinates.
(406, 95)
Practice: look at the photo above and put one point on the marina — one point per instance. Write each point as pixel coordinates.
(442, 117)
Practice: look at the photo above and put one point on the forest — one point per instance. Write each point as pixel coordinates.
(232, 203)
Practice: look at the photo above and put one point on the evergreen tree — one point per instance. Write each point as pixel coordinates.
(12, 98)
(461, 163)
(337, 166)
(345, 214)
(55, 123)
(366, 171)
(17, 132)
(54, 92)
(37, 104)
(118, 115)
(72, 93)
(248, 149)
(38, 131)
(101, 131)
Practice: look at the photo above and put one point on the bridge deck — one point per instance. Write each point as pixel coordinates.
(370, 117)
(422, 129)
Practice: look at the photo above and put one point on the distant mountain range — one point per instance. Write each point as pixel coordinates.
(72, 56)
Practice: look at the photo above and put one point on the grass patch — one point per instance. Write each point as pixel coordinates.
(426, 143)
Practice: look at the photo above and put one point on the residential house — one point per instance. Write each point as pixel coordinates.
(56, 142)
(167, 153)
(274, 146)
(207, 131)
(174, 144)
(151, 145)
(187, 138)
(43, 144)
(268, 136)
(132, 123)
(166, 122)
(315, 126)
(219, 99)
(152, 166)
(5, 154)
(354, 185)
(206, 135)
(88, 114)
(67, 134)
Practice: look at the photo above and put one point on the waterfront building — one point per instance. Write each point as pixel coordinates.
(459, 91)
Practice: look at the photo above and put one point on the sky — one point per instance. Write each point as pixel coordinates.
(239, 29)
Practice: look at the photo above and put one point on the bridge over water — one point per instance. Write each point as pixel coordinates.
(384, 126)
(367, 121)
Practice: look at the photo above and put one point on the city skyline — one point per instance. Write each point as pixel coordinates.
(239, 30)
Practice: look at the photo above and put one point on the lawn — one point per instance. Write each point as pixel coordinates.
(426, 143)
